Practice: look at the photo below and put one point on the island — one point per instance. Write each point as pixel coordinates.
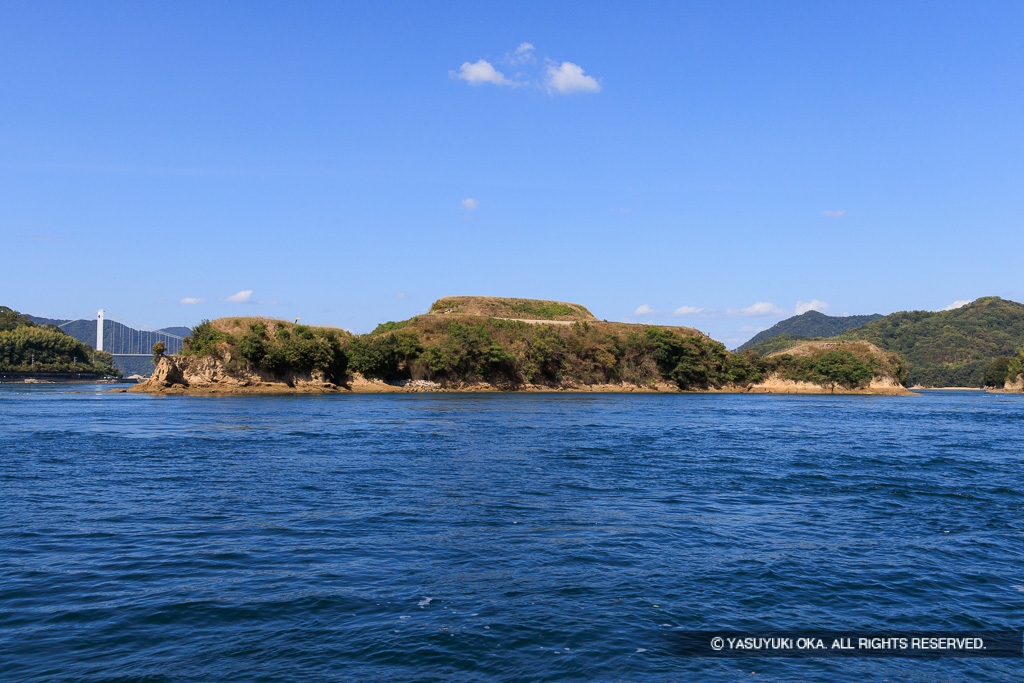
(486, 344)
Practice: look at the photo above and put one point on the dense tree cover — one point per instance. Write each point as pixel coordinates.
(1015, 368)
(11, 319)
(809, 325)
(468, 349)
(949, 348)
(296, 348)
(512, 352)
(944, 348)
(27, 347)
(831, 368)
(996, 372)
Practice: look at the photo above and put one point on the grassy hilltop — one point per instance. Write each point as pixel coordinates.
(516, 309)
(512, 343)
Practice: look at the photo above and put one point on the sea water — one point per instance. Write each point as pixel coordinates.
(498, 537)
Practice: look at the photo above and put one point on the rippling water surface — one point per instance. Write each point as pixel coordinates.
(497, 537)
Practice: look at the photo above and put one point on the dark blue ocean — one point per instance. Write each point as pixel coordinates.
(499, 537)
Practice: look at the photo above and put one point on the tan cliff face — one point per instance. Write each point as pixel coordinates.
(774, 384)
(186, 373)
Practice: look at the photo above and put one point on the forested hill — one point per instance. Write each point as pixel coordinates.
(949, 348)
(810, 325)
(141, 341)
(26, 347)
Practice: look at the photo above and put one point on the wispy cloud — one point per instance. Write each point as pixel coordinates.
(837, 213)
(757, 308)
(470, 204)
(521, 55)
(241, 297)
(956, 304)
(568, 78)
(556, 77)
(401, 295)
(688, 310)
(812, 305)
(191, 300)
(479, 73)
(644, 309)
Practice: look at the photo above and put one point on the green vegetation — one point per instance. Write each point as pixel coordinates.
(390, 326)
(809, 325)
(463, 348)
(835, 367)
(949, 348)
(777, 343)
(510, 352)
(298, 349)
(27, 347)
(996, 372)
(541, 311)
(11, 319)
(943, 348)
(1015, 368)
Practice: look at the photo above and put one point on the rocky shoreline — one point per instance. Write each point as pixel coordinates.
(182, 375)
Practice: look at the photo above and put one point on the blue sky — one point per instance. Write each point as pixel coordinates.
(718, 165)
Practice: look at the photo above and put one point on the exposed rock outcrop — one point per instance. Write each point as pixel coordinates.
(186, 374)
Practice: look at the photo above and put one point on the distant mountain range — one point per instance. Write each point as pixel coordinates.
(116, 337)
(811, 324)
(942, 348)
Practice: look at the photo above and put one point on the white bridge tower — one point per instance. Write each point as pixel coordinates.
(99, 330)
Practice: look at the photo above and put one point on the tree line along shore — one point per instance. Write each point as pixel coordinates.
(487, 344)
(490, 343)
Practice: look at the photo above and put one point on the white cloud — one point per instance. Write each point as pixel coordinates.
(401, 295)
(479, 73)
(812, 305)
(239, 297)
(470, 204)
(569, 78)
(521, 55)
(758, 308)
(687, 310)
(644, 309)
(189, 300)
(955, 305)
(838, 213)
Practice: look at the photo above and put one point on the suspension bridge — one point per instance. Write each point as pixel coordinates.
(121, 337)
